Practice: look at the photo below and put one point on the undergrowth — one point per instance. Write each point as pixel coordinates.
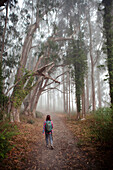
(7, 131)
(97, 128)
(94, 136)
(102, 129)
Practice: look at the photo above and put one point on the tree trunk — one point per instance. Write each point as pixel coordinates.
(69, 93)
(93, 87)
(67, 84)
(83, 104)
(38, 95)
(23, 61)
(36, 102)
(99, 89)
(54, 101)
(15, 114)
(87, 91)
(2, 81)
(92, 63)
(48, 102)
(26, 49)
(3, 37)
(33, 96)
(108, 26)
(72, 98)
(78, 106)
(64, 100)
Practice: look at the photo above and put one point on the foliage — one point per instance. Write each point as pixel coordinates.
(3, 98)
(23, 88)
(97, 128)
(24, 142)
(108, 33)
(1, 86)
(11, 54)
(99, 150)
(7, 132)
(51, 49)
(77, 57)
(103, 127)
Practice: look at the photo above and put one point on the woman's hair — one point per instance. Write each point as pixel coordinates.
(48, 117)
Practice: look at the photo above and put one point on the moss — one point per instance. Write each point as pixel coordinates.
(22, 90)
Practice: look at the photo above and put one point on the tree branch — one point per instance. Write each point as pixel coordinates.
(97, 54)
(40, 70)
(37, 64)
(2, 9)
(61, 38)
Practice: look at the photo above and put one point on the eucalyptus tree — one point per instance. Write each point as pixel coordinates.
(7, 60)
(26, 80)
(72, 12)
(50, 51)
(77, 57)
(108, 32)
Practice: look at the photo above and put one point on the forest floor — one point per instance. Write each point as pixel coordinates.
(70, 152)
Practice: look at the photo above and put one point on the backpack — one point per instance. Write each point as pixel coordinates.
(48, 126)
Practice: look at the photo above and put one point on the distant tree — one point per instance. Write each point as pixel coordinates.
(76, 56)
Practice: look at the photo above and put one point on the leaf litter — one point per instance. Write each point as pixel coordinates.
(73, 148)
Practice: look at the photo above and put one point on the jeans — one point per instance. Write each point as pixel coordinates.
(49, 136)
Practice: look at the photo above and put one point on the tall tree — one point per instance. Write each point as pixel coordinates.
(77, 57)
(92, 61)
(7, 61)
(108, 27)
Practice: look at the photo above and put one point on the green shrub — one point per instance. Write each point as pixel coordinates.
(30, 121)
(103, 126)
(7, 131)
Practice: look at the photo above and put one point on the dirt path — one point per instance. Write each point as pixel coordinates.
(66, 154)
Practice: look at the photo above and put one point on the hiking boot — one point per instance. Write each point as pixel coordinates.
(52, 147)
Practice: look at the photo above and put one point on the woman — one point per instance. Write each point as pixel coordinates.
(47, 128)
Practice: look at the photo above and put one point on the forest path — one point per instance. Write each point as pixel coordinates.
(65, 155)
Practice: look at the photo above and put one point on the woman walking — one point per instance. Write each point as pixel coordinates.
(47, 128)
